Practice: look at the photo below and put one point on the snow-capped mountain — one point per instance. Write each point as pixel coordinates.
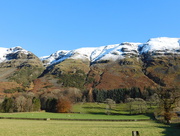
(162, 44)
(19, 67)
(109, 52)
(5, 52)
(123, 65)
(117, 51)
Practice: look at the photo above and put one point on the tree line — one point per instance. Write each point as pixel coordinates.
(121, 95)
(57, 101)
(51, 101)
(61, 101)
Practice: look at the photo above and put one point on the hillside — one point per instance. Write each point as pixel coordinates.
(122, 65)
(18, 68)
(125, 65)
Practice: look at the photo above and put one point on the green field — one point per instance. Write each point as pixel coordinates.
(101, 108)
(82, 111)
(70, 116)
(83, 128)
(13, 127)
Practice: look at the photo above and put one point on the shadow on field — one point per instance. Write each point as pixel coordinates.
(96, 113)
(171, 130)
(98, 108)
(151, 116)
(105, 113)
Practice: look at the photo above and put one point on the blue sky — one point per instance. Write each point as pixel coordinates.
(45, 26)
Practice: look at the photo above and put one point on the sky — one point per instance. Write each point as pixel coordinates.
(46, 26)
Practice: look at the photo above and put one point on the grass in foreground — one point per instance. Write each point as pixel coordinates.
(83, 128)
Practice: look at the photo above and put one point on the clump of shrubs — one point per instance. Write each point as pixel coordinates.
(13, 90)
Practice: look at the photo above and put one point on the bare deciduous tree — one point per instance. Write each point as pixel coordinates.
(168, 97)
(110, 104)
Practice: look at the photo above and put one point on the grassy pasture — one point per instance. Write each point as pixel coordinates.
(101, 108)
(83, 128)
(86, 110)
(70, 116)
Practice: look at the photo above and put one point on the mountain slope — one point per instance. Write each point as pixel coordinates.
(122, 65)
(125, 65)
(18, 67)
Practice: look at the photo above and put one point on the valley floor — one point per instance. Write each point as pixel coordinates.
(83, 128)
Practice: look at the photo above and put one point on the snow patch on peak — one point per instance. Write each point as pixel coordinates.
(82, 53)
(5, 51)
(59, 56)
(93, 54)
(117, 51)
(102, 52)
(55, 57)
(179, 42)
(161, 44)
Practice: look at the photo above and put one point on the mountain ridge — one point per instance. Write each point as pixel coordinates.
(124, 65)
(93, 54)
(116, 51)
